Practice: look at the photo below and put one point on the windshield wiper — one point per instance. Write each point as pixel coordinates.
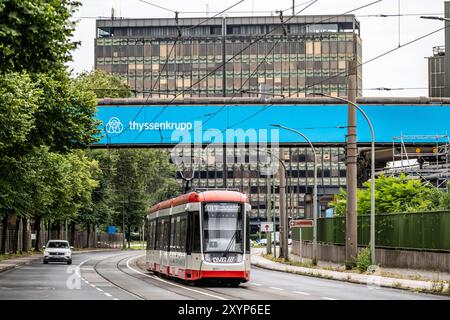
(229, 244)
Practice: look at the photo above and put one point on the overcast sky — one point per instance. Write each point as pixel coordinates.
(404, 68)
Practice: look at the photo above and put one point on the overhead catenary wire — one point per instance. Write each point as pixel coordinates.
(214, 16)
(159, 74)
(250, 44)
(242, 85)
(245, 48)
(157, 6)
(344, 72)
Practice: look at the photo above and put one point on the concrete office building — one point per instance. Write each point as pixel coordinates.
(298, 57)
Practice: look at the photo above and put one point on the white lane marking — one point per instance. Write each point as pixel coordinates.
(173, 284)
(302, 292)
(77, 271)
(328, 298)
(275, 288)
(256, 284)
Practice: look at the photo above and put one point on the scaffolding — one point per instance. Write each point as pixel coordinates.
(422, 159)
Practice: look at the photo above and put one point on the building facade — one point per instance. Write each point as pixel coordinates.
(185, 57)
(436, 73)
(250, 177)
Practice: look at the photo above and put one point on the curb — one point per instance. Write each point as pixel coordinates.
(355, 281)
(18, 264)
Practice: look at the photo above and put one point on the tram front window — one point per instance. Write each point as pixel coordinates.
(223, 228)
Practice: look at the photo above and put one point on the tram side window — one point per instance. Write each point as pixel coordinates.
(151, 235)
(166, 234)
(178, 233)
(247, 244)
(149, 224)
(182, 233)
(173, 232)
(195, 232)
(163, 234)
(153, 244)
(159, 227)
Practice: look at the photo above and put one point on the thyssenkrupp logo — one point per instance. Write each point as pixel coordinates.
(114, 125)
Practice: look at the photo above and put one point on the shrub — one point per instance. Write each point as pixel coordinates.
(363, 259)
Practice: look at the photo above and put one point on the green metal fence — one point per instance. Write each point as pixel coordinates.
(421, 230)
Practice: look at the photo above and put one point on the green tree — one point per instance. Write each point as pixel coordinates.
(103, 84)
(35, 34)
(392, 195)
(142, 178)
(45, 117)
(65, 119)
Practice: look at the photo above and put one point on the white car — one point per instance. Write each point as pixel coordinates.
(57, 251)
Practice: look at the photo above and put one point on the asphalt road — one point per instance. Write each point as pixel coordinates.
(119, 276)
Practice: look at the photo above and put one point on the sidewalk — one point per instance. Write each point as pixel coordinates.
(9, 264)
(378, 279)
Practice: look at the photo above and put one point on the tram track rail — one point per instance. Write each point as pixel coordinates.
(185, 290)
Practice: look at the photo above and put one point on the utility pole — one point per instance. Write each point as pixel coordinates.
(269, 215)
(224, 93)
(274, 219)
(293, 7)
(351, 243)
(123, 225)
(283, 216)
(224, 69)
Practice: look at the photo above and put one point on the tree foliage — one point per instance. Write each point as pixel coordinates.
(103, 84)
(45, 118)
(131, 181)
(35, 34)
(395, 195)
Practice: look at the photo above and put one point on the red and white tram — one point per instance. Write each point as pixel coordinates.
(200, 236)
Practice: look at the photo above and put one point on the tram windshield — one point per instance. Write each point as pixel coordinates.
(223, 227)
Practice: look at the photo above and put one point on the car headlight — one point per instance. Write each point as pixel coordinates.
(68, 253)
(46, 253)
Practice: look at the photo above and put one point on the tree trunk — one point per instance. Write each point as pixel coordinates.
(58, 225)
(25, 235)
(49, 229)
(88, 235)
(16, 235)
(129, 236)
(37, 229)
(72, 233)
(4, 230)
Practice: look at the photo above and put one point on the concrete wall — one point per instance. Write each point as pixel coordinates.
(391, 258)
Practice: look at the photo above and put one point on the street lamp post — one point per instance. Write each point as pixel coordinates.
(314, 188)
(284, 218)
(372, 180)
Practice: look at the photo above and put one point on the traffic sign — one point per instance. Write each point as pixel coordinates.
(266, 227)
(112, 229)
(301, 223)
